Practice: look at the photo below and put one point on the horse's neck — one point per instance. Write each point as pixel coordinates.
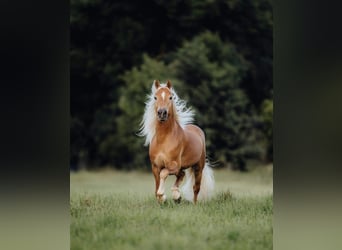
(166, 129)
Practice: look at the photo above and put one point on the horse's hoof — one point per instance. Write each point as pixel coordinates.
(178, 200)
(161, 198)
(175, 194)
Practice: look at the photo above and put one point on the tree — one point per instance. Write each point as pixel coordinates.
(267, 117)
(212, 72)
(207, 72)
(109, 38)
(130, 151)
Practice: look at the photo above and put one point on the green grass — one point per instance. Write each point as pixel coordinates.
(117, 210)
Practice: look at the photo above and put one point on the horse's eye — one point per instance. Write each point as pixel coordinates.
(170, 97)
(155, 98)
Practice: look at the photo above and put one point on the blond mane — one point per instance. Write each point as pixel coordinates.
(183, 115)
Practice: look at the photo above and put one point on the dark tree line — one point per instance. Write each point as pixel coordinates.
(218, 54)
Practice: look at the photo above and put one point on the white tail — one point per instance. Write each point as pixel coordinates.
(207, 184)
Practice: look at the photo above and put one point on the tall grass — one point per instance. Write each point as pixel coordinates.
(120, 218)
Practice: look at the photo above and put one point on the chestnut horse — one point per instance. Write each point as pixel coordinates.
(176, 145)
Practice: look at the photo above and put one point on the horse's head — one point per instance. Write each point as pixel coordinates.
(163, 100)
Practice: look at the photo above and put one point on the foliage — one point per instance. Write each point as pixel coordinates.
(208, 72)
(224, 48)
(267, 116)
(131, 103)
(212, 72)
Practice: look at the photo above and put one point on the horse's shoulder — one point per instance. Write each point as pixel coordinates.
(192, 130)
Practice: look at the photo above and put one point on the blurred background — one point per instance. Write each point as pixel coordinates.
(218, 55)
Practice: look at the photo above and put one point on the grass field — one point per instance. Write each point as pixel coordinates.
(117, 210)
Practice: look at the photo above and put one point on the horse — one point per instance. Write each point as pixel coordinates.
(176, 146)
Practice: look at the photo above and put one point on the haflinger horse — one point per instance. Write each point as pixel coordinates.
(176, 146)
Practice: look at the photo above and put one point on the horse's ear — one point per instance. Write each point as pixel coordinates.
(156, 84)
(168, 84)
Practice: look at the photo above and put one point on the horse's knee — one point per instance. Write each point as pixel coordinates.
(164, 173)
(174, 168)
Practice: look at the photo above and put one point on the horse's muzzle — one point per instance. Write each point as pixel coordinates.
(162, 114)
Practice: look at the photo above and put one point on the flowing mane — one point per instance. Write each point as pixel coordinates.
(183, 114)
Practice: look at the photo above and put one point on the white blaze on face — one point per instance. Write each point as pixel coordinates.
(163, 95)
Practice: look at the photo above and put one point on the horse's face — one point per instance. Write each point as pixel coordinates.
(163, 101)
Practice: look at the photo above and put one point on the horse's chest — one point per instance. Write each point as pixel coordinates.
(166, 152)
(172, 163)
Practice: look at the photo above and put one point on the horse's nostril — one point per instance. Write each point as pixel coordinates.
(162, 113)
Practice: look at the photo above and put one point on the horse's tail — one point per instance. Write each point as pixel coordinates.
(207, 184)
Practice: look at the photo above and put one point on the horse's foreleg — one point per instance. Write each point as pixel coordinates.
(161, 190)
(175, 189)
(156, 172)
